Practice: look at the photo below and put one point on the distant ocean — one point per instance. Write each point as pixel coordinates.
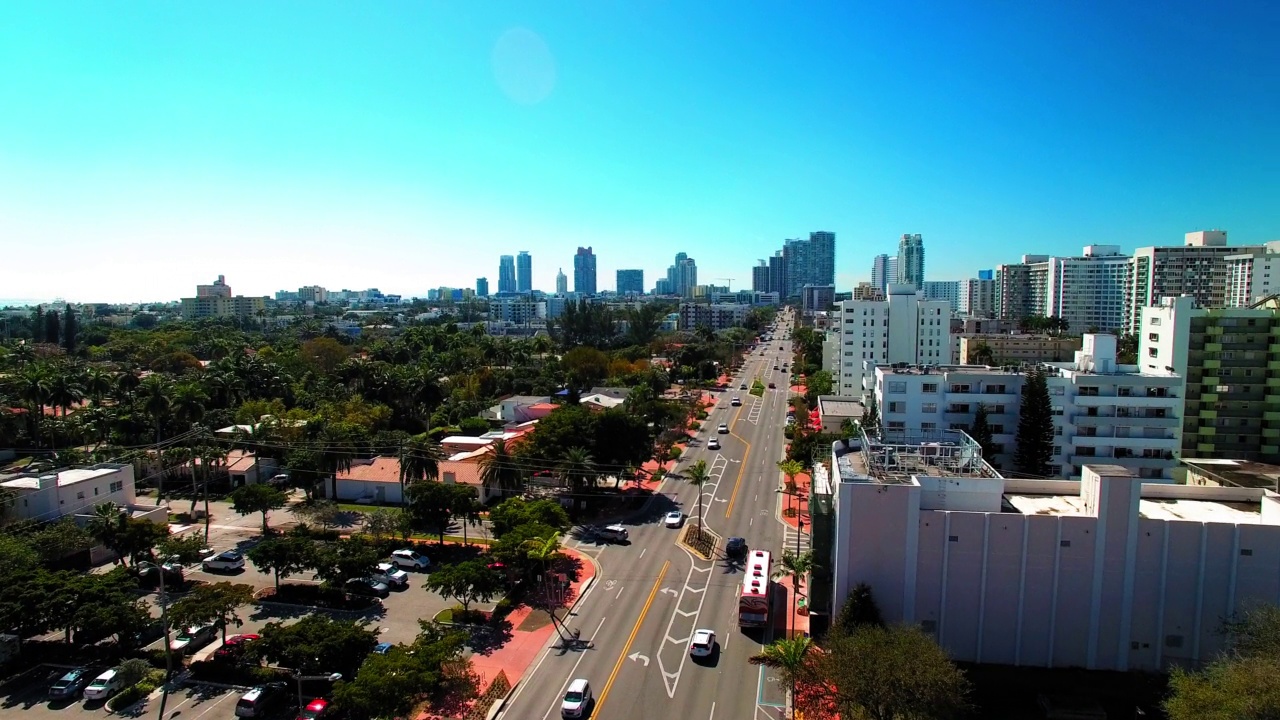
(20, 302)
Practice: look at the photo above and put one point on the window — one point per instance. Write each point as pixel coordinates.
(1124, 391)
(80, 495)
(1153, 337)
(897, 407)
(929, 407)
(897, 425)
(929, 388)
(897, 387)
(958, 388)
(117, 486)
(1057, 410)
(958, 408)
(1057, 449)
(997, 429)
(1152, 352)
(928, 426)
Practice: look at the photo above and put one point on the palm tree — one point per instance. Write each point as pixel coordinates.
(33, 389)
(335, 454)
(791, 469)
(698, 476)
(499, 468)
(578, 468)
(796, 566)
(157, 400)
(107, 526)
(98, 384)
(544, 551)
(787, 656)
(188, 402)
(126, 383)
(420, 458)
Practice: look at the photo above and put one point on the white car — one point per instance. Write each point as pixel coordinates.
(674, 519)
(224, 562)
(713, 443)
(192, 639)
(410, 560)
(723, 429)
(391, 575)
(103, 686)
(703, 643)
(736, 402)
(577, 699)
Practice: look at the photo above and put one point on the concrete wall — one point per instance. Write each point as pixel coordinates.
(1104, 590)
(377, 492)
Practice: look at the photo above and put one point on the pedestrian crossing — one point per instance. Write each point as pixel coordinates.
(789, 540)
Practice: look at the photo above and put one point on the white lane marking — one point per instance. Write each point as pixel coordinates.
(572, 673)
(546, 651)
(624, 587)
(642, 552)
(713, 711)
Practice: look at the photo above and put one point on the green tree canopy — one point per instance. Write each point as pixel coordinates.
(516, 511)
(1241, 684)
(317, 644)
(889, 673)
(283, 556)
(466, 582)
(433, 505)
(258, 498)
(1034, 449)
(215, 604)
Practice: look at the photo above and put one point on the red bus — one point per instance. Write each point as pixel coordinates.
(755, 603)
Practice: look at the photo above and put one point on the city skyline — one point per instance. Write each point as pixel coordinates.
(347, 139)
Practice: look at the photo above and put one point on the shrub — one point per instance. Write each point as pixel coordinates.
(695, 425)
(702, 415)
(788, 432)
(139, 690)
(789, 512)
(676, 452)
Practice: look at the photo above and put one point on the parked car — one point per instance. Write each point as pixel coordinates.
(316, 709)
(234, 647)
(69, 684)
(410, 560)
(104, 686)
(192, 639)
(367, 586)
(674, 519)
(703, 644)
(577, 699)
(263, 700)
(279, 480)
(228, 561)
(713, 443)
(391, 575)
(723, 429)
(383, 648)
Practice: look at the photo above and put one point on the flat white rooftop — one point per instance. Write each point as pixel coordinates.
(1151, 508)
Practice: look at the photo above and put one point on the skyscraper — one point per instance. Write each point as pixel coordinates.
(562, 283)
(683, 275)
(506, 274)
(760, 277)
(584, 272)
(778, 275)
(630, 282)
(524, 272)
(482, 287)
(884, 270)
(911, 260)
(808, 262)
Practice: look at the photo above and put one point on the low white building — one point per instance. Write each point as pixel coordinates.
(1103, 412)
(1104, 573)
(45, 496)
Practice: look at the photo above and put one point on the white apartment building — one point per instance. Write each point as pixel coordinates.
(1104, 573)
(1253, 276)
(717, 316)
(1087, 291)
(948, 290)
(1198, 268)
(1103, 412)
(906, 328)
(516, 309)
(977, 297)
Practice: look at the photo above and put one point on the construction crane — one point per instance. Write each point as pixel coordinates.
(727, 280)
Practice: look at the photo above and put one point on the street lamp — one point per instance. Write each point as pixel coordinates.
(164, 624)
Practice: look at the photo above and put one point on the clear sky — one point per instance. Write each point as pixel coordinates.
(149, 146)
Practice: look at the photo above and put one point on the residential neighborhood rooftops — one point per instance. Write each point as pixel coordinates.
(378, 469)
(65, 477)
(1240, 473)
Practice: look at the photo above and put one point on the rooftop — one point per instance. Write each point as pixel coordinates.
(378, 469)
(837, 406)
(69, 476)
(1190, 509)
(1239, 473)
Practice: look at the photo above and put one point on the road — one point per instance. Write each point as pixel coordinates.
(652, 594)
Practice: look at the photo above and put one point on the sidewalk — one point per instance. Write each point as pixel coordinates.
(517, 654)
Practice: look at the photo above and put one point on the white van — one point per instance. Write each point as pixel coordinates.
(577, 699)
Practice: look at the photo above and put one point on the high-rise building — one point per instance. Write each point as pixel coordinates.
(219, 288)
(524, 272)
(809, 262)
(760, 277)
(683, 275)
(562, 283)
(631, 282)
(905, 328)
(884, 270)
(664, 286)
(1088, 291)
(1253, 276)
(911, 260)
(1013, 298)
(778, 274)
(506, 274)
(1199, 268)
(1224, 356)
(977, 296)
(948, 290)
(584, 272)
(482, 287)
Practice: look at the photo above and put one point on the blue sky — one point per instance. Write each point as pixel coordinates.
(145, 147)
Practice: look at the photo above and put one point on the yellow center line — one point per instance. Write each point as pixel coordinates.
(738, 483)
(604, 694)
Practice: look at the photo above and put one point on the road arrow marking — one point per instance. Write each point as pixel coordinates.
(637, 656)
(673, 592)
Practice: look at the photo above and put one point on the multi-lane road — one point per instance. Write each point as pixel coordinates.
(650, 595)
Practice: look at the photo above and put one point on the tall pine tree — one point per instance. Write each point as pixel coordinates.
(1035, 427)
(37, 324)
(981, 433)
(69, 329)
(52, 326)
